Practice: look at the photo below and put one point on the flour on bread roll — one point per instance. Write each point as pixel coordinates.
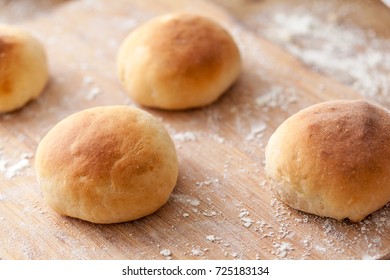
(23, 68)
(178, 61)
(332, 159)
(107, 165)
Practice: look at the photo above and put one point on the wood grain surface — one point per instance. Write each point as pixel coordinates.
(295, 54)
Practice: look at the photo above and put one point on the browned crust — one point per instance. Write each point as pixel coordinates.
(333, 159)
(347, 139)
(178, 61)
(8, 60)
(191, 46)
(107, 164)
(23, 68)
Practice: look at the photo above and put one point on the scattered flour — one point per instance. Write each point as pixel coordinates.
(256, 131)
(294, 31)
(95, 91)
(208, 182)
(281, 250)
(213, 238)
(186, 199)
(197, 251)
(277, 97)
(351, 55)
(185, 136)
(246, 221)
(11, 170)
(165, 252)
(194, 202)
(210, 213)
(88, 80)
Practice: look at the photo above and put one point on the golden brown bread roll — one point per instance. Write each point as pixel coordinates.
(332, 159)
(178, 61)
(23, 68)
(107, 165)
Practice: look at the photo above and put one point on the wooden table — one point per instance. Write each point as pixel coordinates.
(295, 54)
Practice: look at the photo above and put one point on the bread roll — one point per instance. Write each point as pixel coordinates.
(178, 61)
(23, 68)
(332, 159)
(107, 165)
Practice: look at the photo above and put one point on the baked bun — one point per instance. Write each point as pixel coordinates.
(178, 61)
(332, 159)
(23, 68)
(107, 165)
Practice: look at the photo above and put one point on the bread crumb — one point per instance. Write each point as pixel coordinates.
(185, 215)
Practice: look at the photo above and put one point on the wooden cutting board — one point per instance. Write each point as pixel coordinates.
(222, 207)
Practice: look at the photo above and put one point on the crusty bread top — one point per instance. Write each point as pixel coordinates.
(99, 141)
(347, 137)
(333, 159)
(193, 47)
(107, 164)
(178, 61)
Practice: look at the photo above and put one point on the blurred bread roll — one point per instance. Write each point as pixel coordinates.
(107, 165)
(178, 61)
(23, 68)
(332, 159)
